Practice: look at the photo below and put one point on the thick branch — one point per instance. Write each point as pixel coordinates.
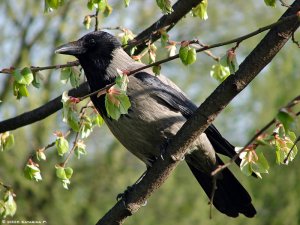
(180, 9)
(42, 112)
(205, 114)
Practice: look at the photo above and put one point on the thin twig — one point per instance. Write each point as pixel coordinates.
(284, 4)
(295, 41)
(82, 113)
(267, 126)
(291, 150)
(40, 68)
(96, 19)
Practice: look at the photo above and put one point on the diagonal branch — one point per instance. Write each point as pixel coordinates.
(202, 118)
(180, 9)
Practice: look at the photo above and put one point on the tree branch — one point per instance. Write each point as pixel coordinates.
(42, 112)
(180, 9)
(202, 118)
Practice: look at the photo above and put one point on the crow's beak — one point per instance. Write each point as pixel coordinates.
(72, 48)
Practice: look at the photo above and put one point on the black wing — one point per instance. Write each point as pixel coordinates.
(177, 101)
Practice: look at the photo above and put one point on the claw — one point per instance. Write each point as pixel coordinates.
(163, 148)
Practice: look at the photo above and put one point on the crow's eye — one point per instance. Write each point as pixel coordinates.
(91, 42)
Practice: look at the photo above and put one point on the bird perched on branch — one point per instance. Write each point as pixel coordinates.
(158, 110)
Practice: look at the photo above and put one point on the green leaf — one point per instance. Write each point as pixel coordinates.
(36, 79)
(261, 165)
(54, 4)
(64, 174)
(65, 74)
(187, 55)
(70, 114)
(73, 120)
(32, 172)
(23, 90)
(165, 6)
(40, 155)
(10, 204)
(126, 2)
(246, 167)
(116, 104)
(107, 11)
(156, 70)
(183, 53)
(229, 61)
(74, 77)
(80, 149)
(286, 118)
(271, 3)
(192, 56)
(69, 172)
(219, 72)
(6, 141)
(201, 10)
(62, 145)
(97, 120)
(87, 22)
(60, 172)
(164, 38)
(24, 76)
(121, 80)
(90, 5)
(27, 75)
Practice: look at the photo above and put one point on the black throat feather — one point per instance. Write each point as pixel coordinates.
(97, 77)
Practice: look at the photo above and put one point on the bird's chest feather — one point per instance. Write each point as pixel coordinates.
(148, 124)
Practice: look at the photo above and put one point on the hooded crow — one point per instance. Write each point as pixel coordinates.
(158, 110)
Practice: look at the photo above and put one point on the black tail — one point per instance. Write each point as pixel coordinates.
(230, 197)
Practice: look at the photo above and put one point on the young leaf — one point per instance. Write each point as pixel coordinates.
(40, 154)
(192, 56)
(6, 141)
(156, 70)
(286, 118)
(271, 3)
(27, 76)
(97, 120)
(116, 102)
(36, 79)
(70, 114)
(183, 53)
(9, 205)
(171, 49)
(65, 74)
(261, 165)
(64, 174)
(80, 149)
(62, 145)
(32, 172)
(126, 2)
(187, 54)
(107, 11)
(165, 6)
(87, 22)
(219, 72)
(201, 10)
(74, 77)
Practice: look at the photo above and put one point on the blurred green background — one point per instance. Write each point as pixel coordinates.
(28, 37)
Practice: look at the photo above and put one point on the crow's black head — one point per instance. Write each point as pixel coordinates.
(96, 44)
(95, 51)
